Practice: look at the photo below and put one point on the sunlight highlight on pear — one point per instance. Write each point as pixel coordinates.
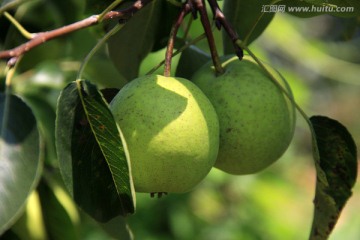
(171, 130)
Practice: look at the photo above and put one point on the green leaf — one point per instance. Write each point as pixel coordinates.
(20, 162)
(103, 73)
(311, 8)
(336, 168)
(192, 58)
(111, 141)
(128, 47)
(247, 18)
(169, 13)
(91, 154)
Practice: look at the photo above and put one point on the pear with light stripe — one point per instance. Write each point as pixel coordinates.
(171, 130)
(256, 118)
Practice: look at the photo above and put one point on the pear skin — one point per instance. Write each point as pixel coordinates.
(256, 119)
(171, 130)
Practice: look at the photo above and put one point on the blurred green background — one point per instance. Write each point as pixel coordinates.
(320, 58)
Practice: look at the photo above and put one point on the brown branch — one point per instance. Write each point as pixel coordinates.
(170, 46)
(200, 6)
(42, 37)
(220, 20)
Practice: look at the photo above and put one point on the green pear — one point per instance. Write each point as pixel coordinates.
(171, 130)
(256, 119)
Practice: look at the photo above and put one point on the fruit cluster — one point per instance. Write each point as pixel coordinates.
(176, 130)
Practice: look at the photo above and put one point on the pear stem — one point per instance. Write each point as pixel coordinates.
(221, 21)
(200, 6)
(170, 46)
(180, 50)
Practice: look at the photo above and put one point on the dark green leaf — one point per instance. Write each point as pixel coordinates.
(65, 117)
(92, 159)
(247, 18)
(129, 46)
(20, 162)
(308, 8)
(103, 73)
(110, 140)
(169, 12)
(336, 167)
(192, 58)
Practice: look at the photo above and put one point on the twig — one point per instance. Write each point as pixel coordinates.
(170, 46)
(199, 4)
(220, 20)
(113, 5)
(192, 42)
(18, 26)
(187, 28)
(42, 37)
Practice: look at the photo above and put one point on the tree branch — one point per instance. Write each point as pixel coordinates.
(42, 37)
(170, 46)
(220, 20)
(200, 6)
